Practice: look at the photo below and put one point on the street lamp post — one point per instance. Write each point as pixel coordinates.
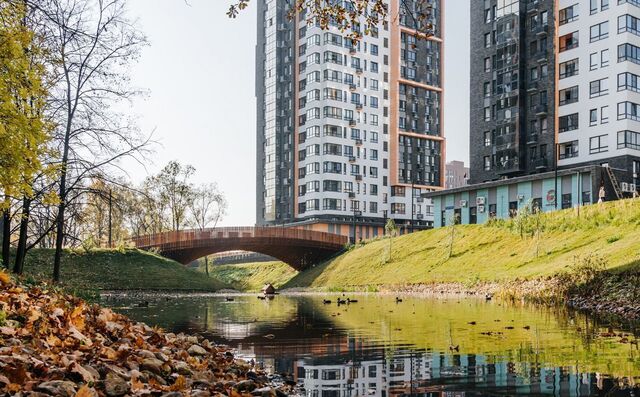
(557, 156)
(413, 182)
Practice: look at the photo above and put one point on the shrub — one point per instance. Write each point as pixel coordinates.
(613, 239)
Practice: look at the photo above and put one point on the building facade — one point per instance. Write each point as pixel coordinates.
(598, 85)
(456, 174)
(512, 88)
(348, 134)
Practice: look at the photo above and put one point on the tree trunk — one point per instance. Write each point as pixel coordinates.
(6, 237)
(21, 252)
(206, 265)
(59, 240)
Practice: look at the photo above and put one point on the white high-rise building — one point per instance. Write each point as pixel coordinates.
(349, 134)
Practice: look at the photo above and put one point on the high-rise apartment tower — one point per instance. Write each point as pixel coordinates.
(348, 134)
(554, 84)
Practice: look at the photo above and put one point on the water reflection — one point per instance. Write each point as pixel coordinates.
(419, 347)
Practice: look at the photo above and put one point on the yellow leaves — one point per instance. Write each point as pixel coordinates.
(180, 384)
(77, 317)
(86, 391)
(5, 279)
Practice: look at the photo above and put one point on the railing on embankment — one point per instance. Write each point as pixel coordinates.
(188, 237)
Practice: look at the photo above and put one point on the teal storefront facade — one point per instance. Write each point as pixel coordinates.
(504, 198)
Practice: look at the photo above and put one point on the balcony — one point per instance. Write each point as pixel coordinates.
(532, 6)
(541, 163)
(352, 50)
(358, 106)
(358, 177)
(505, 141)
(352, 159)
(358, 70)
(358, 141)
(541, 30)
(541, 110)
(542, 56)
(510, 166)
(532, 139)
(419, 216)
(352, 122)
(533, 86)
(352, 195)
(352, 87)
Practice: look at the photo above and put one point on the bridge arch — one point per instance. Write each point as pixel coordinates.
(296, 247)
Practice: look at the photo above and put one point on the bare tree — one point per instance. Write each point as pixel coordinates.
(174, 189)
(92, 43)
(208, 205)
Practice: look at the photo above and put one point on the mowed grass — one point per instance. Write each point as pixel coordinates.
(253, 276)
(488, 253)
(111, 269)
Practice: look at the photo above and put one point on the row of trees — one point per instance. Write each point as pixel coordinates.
(63, 78)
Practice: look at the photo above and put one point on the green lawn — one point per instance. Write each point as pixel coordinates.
(103, 269)
(253, 276)
(491, 252)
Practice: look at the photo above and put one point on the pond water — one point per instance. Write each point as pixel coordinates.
(420, 346)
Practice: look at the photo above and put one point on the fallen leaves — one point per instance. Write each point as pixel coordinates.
(56, 344)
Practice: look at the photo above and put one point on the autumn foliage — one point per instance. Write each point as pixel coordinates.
(55, 344)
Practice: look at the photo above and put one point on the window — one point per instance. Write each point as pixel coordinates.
(568, 95)
(604, 114)
(604, 5)
(487, 40)
(313, 113)
(313, 58)
(373, 67)
(568, 41)
(598, 88)
(373, 49)
(487, 163)
(598, 144)
(628, 110)
(628, 81)
(568, 122)
(373, 208)
(599, 31)
(487, 138)
(629, 140)
(604, 58)
(487, 114)
(593, 6)
(568, 14)
(594, 61)
(533, 74)
(487, 89)
(487, 64)
(398, 208)
(568, 150)
(628, 23)
(593, 117)
(373, 84)
(628, 52)
(569, 68)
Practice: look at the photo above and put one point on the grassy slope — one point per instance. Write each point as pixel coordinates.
(492, 252)
(116, 270)
(253, 276)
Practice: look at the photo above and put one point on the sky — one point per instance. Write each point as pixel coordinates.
(198, 72)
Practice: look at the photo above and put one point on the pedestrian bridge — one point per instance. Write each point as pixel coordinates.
(296, 247)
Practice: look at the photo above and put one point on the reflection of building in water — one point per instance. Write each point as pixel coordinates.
(405, 372)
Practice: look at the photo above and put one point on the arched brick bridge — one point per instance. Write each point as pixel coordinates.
(296, 247)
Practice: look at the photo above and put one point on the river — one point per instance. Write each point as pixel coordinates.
(420, 346)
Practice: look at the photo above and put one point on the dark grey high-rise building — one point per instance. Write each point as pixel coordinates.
(512, 88)
(275, 113)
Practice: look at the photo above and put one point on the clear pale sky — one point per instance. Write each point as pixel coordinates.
(199, 73)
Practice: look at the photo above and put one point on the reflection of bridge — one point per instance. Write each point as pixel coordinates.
(296, 247)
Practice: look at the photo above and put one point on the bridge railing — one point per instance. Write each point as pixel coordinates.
(174, 237)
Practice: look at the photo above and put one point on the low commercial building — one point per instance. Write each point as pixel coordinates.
(503, 199)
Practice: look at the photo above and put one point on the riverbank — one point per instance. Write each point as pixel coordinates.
(588, 259)
(59, 345)
(251, 277)
(87, 272)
